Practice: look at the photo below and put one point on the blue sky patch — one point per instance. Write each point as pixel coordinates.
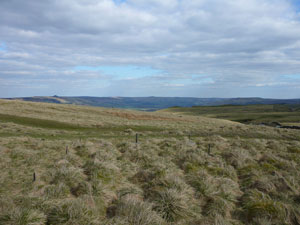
(2, 46)
(296, 4)
(119, 1)
(291, 77)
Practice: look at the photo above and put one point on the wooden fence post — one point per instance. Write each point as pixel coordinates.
(34, 177)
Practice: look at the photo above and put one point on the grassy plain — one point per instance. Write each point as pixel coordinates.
(185, 169)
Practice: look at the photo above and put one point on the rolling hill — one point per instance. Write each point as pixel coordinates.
(68, 164)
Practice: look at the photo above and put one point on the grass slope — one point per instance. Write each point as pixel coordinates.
(64, 164)
(283, 113)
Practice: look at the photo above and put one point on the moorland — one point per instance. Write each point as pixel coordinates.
(67, 164)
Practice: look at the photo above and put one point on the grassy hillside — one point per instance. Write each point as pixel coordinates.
(155, 103)
(65, 164)
(283, 113)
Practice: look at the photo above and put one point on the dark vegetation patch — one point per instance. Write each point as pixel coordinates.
(52, 124)
(249, 114)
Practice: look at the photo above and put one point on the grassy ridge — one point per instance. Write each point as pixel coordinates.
(42, 123)
(183, 170)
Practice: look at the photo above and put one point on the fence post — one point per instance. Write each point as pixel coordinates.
(209, 146)
(67, 150)
(136, 138)
(34, 177)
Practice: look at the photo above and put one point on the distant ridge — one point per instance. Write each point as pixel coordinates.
(153, 103)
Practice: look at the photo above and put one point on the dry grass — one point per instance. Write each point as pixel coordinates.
(250, 174)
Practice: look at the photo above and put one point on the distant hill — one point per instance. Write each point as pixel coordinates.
(155, 103)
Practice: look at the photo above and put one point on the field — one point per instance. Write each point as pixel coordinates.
(287, 114)
(65, 164)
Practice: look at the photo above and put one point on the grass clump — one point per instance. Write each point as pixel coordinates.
(22, 216)
(69, 211)
(171, 204)
(202, 182)
(59, 190)
(21, 210)
(134, 211)
(69, 175)
(220, 204)
(100, 170)
(257, 204)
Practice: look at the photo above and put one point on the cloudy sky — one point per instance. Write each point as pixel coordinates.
(197, 48)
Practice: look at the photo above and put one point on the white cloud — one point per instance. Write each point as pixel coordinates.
(235, 43)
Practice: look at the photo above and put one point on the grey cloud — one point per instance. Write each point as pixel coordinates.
(235, 43)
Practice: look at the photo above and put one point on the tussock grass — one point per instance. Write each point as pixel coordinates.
(136, 212)
(171, 204)
(249, 176)
(70, 211)
(258, 204)
(220, 204)
(21, 210)
(71, 176)
(59, 190)
(23, 216)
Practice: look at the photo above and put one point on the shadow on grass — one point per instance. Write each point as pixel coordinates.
(52, 124)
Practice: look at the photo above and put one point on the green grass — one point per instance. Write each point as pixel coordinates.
(52, 124)
(42, 123)
(245, 114)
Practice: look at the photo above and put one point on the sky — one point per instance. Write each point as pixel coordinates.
(188, 48)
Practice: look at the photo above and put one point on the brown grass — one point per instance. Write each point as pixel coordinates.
(250, 176)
